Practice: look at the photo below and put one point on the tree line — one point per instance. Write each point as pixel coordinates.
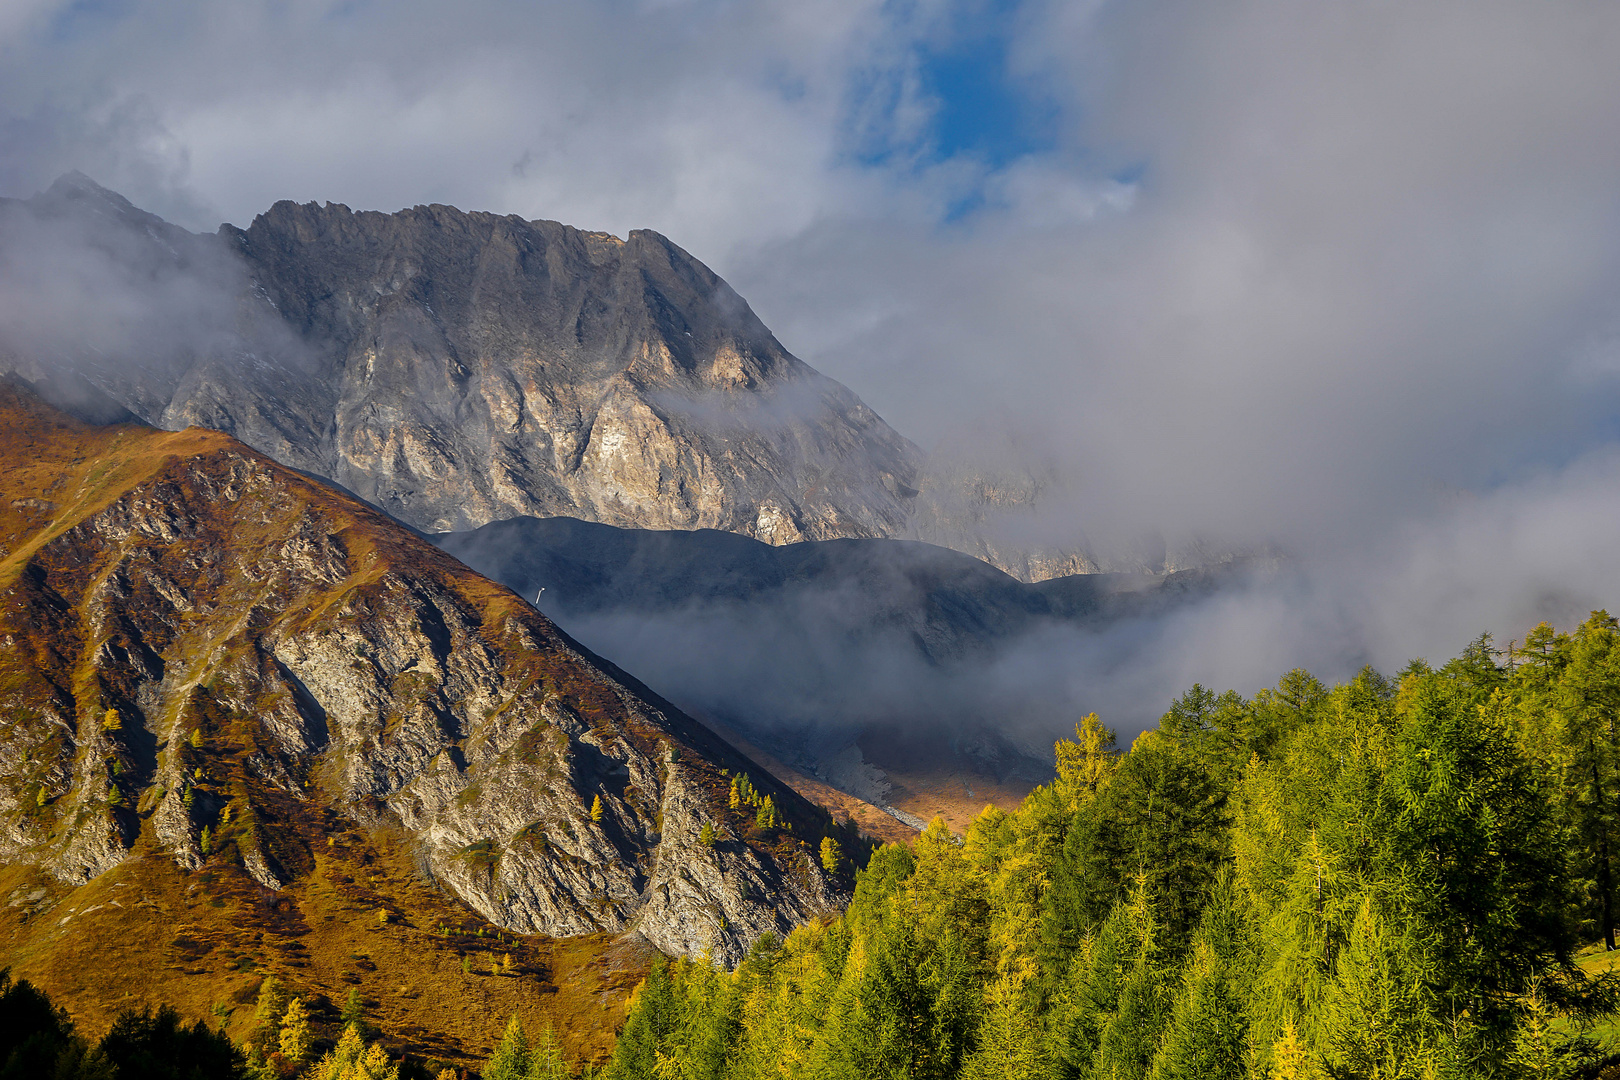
(39, 1041)
(1389, 878)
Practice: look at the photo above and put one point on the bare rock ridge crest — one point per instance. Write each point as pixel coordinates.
(206, 656)
(460, 368)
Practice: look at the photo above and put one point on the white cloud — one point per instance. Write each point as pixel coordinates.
(1285, 268)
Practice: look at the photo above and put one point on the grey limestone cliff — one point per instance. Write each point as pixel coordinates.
(460, 368)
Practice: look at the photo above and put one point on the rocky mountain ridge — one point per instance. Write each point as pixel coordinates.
(207, 656)
(459, 368)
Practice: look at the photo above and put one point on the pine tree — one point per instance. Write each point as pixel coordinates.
(546, 1060)
(1089, 995)
(511, 1058)
(735, 799)
(354, 1013)
(654, 1013)
(1083, 766)
(706, 834)
(112, 722)
(832, 856)
(1289, 1061)
(597, 809)
(1206, 1036)
(1009, 1036)
(296, 1038)
(1380, 1018)
(268, 1013)
(196, 738)
(1538, 1050)
(765, 817)
(1129, 1037)
(352, 1059)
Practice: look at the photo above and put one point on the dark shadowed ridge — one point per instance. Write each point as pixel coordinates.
(952, 602)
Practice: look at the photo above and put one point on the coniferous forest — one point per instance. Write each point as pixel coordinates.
(1397, 877)
(1390, 878)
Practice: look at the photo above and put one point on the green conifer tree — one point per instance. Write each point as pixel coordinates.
(832, 856)
(597, 809)
(1208, 1031)
(511, 1058)
(654, 1014)
(354, 1013)
(274, 998)
(1089, 995)
(296, 1038)
(1206, 1036)
(546, 1059)
(1379, 1016)
(1009, 1036)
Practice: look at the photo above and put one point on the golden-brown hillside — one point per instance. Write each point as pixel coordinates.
(253, 726)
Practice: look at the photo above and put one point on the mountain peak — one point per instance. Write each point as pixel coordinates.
(459, 367)
(76, 185)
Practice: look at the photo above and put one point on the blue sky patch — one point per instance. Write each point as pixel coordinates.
(982, 112)
(977, 110)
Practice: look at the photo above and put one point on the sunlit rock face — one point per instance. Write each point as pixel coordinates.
(461, 368)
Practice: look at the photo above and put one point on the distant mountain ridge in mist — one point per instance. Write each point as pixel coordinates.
(458, 368)
(949, 602)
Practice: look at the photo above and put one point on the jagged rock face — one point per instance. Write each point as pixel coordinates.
(479, 367)
(460, 368)
(207, 655)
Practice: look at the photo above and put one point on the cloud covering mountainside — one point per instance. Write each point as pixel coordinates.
(1338, 280)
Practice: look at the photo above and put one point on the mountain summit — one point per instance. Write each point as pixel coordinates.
(459, 368)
